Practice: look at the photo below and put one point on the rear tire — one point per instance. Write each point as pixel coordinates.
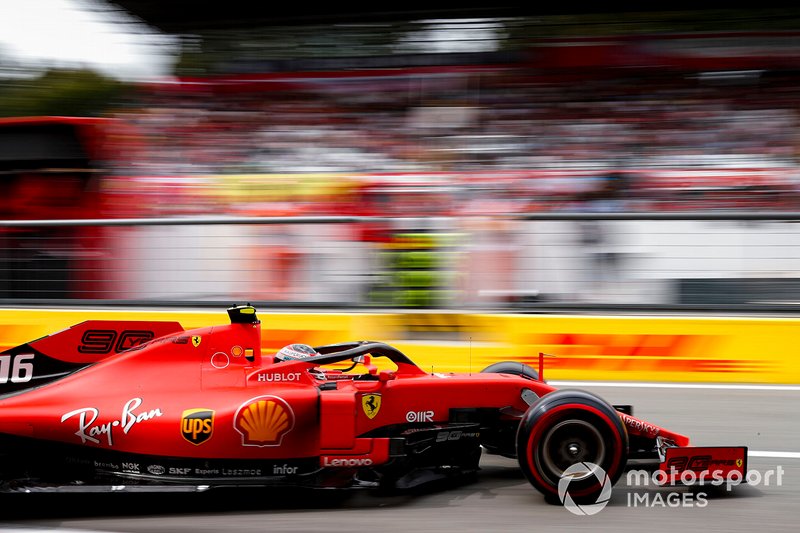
(569, 427)
(512, 367)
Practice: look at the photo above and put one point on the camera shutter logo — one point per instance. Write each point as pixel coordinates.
(580, 471)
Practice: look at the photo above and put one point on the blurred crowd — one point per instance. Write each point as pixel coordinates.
(540, 143)
(445, 158)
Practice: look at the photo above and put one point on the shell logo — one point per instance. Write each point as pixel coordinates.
(263, 421)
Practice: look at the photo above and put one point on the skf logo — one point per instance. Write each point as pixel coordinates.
(371, 403)
(263, 421)
(197, 425)
(196, 340)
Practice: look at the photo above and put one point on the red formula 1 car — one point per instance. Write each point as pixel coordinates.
(123, 405)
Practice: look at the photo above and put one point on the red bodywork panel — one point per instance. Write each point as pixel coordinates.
(94, 340)
(636, 426)
(208, 393)
(151, 389)
(704, 464)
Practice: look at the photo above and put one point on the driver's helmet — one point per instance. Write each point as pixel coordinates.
(294, 351)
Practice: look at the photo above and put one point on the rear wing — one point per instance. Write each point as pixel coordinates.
(94, 340)
(54, 356)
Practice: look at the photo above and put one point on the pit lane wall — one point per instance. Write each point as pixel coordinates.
(616, 348)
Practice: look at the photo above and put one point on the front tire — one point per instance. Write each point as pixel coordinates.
(569, 427)
(512, 367)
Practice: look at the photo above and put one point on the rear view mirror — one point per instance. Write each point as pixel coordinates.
(386, 375)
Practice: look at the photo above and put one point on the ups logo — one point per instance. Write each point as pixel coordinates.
(197, 425)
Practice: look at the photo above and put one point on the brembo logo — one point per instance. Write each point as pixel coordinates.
(264, 421)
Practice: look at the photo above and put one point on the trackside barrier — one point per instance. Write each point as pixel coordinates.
(617, 348)
(670, 260)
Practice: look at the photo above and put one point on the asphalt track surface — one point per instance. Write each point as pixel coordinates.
(498, 499)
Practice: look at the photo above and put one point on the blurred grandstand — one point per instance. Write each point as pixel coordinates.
(420, 114)
(682, 143)
(533, 108)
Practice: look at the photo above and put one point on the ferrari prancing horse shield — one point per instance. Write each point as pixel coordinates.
(371, 403)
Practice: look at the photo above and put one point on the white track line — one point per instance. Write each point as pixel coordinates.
(643, 385)
(722, 386)
(774, 455)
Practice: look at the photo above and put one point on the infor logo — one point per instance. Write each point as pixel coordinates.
(581, 471)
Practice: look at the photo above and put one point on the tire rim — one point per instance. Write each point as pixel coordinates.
(570, 442)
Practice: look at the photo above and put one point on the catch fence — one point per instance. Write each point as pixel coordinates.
(697, 260)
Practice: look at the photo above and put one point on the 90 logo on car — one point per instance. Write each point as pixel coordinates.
(699, 463)
(18, 368)
(102, 341)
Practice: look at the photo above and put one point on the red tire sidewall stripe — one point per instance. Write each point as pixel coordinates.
(534, 438)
